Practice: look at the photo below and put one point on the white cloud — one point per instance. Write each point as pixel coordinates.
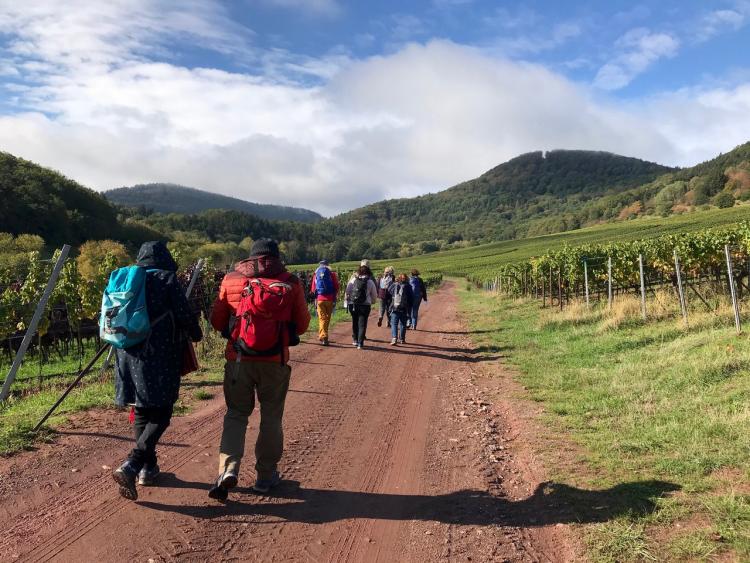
(80, 32)
(718, 21)
(639, 49)
(420, 119)
(320, 7)
(532, 42)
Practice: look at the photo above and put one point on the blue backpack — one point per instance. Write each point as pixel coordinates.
(416, 287)
(323, 281)
(124, 318)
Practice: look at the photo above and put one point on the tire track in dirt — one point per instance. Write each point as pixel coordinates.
(380, 465)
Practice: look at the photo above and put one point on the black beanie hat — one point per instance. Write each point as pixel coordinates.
(265, 247)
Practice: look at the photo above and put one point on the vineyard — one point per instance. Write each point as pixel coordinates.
(482, 262)
(702, 264)
(68, 332)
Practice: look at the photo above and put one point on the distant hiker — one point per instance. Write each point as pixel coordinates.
(325, 286)
(148, 370)
(400, 302)
(360, 295)
(261, 310)
(384, 283)
(419, 294)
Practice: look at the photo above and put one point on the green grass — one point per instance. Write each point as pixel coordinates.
(34, 373)
(340, 314)
(20, 413)
(202, 395)
(643, 402)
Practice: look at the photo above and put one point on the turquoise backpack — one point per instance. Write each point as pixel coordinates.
(124, 318)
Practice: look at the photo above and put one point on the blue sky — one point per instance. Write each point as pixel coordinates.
(330, 104)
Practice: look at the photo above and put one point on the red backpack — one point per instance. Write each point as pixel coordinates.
(264, 316)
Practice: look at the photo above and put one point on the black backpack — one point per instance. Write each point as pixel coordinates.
(359, 291)
(399, 297)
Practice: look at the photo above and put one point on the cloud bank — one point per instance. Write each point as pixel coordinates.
(113, 108)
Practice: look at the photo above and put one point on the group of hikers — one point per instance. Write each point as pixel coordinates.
(400, 298)
(261, 310)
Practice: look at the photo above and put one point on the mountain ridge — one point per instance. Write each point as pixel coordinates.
(176, 198)
(533, 194)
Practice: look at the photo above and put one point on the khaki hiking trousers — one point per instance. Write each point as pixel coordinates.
(242, 381)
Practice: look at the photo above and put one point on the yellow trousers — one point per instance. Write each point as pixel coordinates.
(325, 309)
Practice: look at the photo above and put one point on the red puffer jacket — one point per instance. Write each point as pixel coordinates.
(230, 293)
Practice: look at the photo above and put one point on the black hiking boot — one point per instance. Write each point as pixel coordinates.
(125, 476)
(147, 477)
(220, 489)
(264, 486)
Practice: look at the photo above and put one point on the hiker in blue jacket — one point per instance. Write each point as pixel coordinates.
(419, 292)
(400, 299)
(147, 374)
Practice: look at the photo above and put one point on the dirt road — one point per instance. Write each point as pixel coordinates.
(392, 454)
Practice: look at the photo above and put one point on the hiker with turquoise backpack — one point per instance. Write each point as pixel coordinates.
(419, 294)
(147, 319)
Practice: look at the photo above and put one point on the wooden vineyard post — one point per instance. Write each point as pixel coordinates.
(586, 280)
(680, 289)
(733, 289)
(609, 282)
(34, 323)
(551, 299)
(544, 290)
(559, 288)
(643, 286)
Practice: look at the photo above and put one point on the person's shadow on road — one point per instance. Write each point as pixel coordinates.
(551, 503)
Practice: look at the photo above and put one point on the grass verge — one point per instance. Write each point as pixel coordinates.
(643, 403)
(20, 413)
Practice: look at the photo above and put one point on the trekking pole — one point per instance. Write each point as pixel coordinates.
(194, 278)
(83, 372)
(98, 355)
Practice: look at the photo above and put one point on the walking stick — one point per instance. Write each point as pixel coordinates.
(101, 351)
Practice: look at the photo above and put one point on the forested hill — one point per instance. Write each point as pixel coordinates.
(40, 201)
(534, 193)
(172, 198)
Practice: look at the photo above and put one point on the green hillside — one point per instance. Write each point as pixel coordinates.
(43, 202)
(533, 193)
(487, 257)
(530, 196)
(172, 198)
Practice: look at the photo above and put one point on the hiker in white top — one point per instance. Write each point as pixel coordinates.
(384, 284)
(360, 295)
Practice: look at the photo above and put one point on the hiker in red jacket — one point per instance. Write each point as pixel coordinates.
(325, 286)
(261, 310)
